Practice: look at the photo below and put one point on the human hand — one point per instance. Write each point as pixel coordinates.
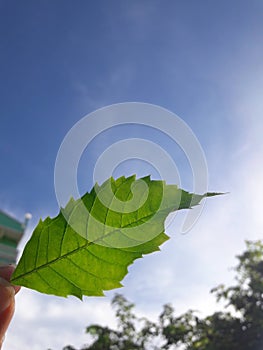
(7, 299)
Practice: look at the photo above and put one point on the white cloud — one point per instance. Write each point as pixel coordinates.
(43, 321)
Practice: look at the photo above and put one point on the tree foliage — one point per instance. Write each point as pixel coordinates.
(238, 327)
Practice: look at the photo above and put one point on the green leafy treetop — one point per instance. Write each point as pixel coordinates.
(87, 248)
(241, 330)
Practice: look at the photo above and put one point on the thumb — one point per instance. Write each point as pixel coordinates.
(7, 306)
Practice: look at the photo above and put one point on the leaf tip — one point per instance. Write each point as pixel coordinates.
(212, 194)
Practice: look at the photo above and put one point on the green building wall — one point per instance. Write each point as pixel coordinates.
(11, 232)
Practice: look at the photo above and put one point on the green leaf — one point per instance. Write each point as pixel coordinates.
(88, 247)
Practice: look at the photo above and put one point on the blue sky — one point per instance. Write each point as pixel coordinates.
(60, 60)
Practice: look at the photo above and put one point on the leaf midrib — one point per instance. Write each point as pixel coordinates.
(37, 268)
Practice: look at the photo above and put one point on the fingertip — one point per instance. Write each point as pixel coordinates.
(6, 273)
(7, 294)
